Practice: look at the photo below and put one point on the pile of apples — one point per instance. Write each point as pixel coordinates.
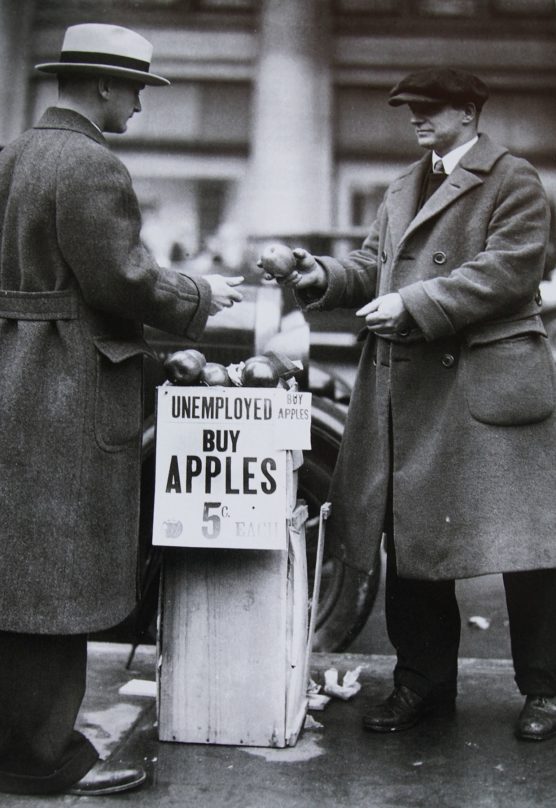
(190, 368)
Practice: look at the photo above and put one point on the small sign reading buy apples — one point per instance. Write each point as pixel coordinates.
(221, 464)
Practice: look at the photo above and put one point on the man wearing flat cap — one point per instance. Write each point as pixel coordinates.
(76, 285)
(450, 443)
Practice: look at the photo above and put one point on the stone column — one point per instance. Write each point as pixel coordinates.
(15, 47)
(287, 189)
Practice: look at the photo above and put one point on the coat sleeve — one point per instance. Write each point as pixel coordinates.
(98, 225)
(352, 282)
(504, 276)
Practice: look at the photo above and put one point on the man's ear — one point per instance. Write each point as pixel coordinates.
(104, 87)
(469, 113)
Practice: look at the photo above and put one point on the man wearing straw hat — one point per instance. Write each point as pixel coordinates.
(76, 285)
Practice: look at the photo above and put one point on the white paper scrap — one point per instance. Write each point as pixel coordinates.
(349, 687)
(479, 622)
(138, 687)
(310, 723)
(313, 687)
(318, 702)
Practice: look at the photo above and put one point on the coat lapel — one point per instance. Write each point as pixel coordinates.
(405, 191)
(454, 186)
(403, 197)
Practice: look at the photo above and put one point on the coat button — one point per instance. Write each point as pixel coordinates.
(383, 257)
(404, 332)
(448, 360)
(439, 257)
(538, 298)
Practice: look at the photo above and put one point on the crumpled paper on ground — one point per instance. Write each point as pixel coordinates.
(317, 701)
(349, 687)
(332, 688)
(311, 724)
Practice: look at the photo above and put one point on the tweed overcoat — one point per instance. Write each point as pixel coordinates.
(470, 389)
(75, 287)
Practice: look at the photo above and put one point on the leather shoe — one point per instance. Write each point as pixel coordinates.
(402, 710)
(537, 720)
(105, 778)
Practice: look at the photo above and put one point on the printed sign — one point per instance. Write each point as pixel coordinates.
(221, 465)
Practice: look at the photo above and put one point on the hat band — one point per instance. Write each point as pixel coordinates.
(108, 59)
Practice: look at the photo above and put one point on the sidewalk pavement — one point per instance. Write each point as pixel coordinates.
(470, 760)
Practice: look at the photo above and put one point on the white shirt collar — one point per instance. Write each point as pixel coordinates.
(450, 160)
(96, 126)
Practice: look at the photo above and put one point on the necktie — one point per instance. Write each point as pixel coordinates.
(433, 180)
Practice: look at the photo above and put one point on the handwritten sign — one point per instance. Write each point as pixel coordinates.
(221, 465)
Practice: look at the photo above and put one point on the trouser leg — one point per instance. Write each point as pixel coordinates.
(422, 620)
(531, 602)
(423, 623)
(42, 684)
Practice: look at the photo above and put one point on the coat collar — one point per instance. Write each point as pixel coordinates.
(404, 192)
(61, 118)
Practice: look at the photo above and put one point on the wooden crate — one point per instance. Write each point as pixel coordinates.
(232, 643)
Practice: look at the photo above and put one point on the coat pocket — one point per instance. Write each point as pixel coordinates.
(118, 391)
(508, 374)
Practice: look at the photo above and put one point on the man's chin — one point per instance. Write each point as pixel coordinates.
(425, 142)
(116, 130)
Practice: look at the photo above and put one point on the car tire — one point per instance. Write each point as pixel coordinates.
(346, 596)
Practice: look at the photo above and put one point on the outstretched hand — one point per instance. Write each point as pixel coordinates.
(307, 272)
(386, 314)
(224, 294)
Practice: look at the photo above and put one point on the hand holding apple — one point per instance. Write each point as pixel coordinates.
(277, 261)
(295, 268)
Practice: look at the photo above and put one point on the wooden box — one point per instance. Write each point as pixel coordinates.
(232, 641)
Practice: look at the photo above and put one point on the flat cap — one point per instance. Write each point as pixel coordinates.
(444, 85)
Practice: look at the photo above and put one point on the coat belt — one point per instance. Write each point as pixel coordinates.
(38, 305)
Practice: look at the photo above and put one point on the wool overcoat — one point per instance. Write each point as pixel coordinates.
(470, 451)
(76, 284)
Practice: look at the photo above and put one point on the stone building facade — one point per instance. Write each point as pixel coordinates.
(276, 121)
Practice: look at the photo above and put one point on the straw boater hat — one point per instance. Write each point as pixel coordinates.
(98, 49)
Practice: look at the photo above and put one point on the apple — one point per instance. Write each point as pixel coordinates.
(259, 371)
(277, 260)
(215, 375)
(184, 367)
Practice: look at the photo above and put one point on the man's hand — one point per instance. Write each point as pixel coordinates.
(223, 293)
(386, 315)
(307, 272)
